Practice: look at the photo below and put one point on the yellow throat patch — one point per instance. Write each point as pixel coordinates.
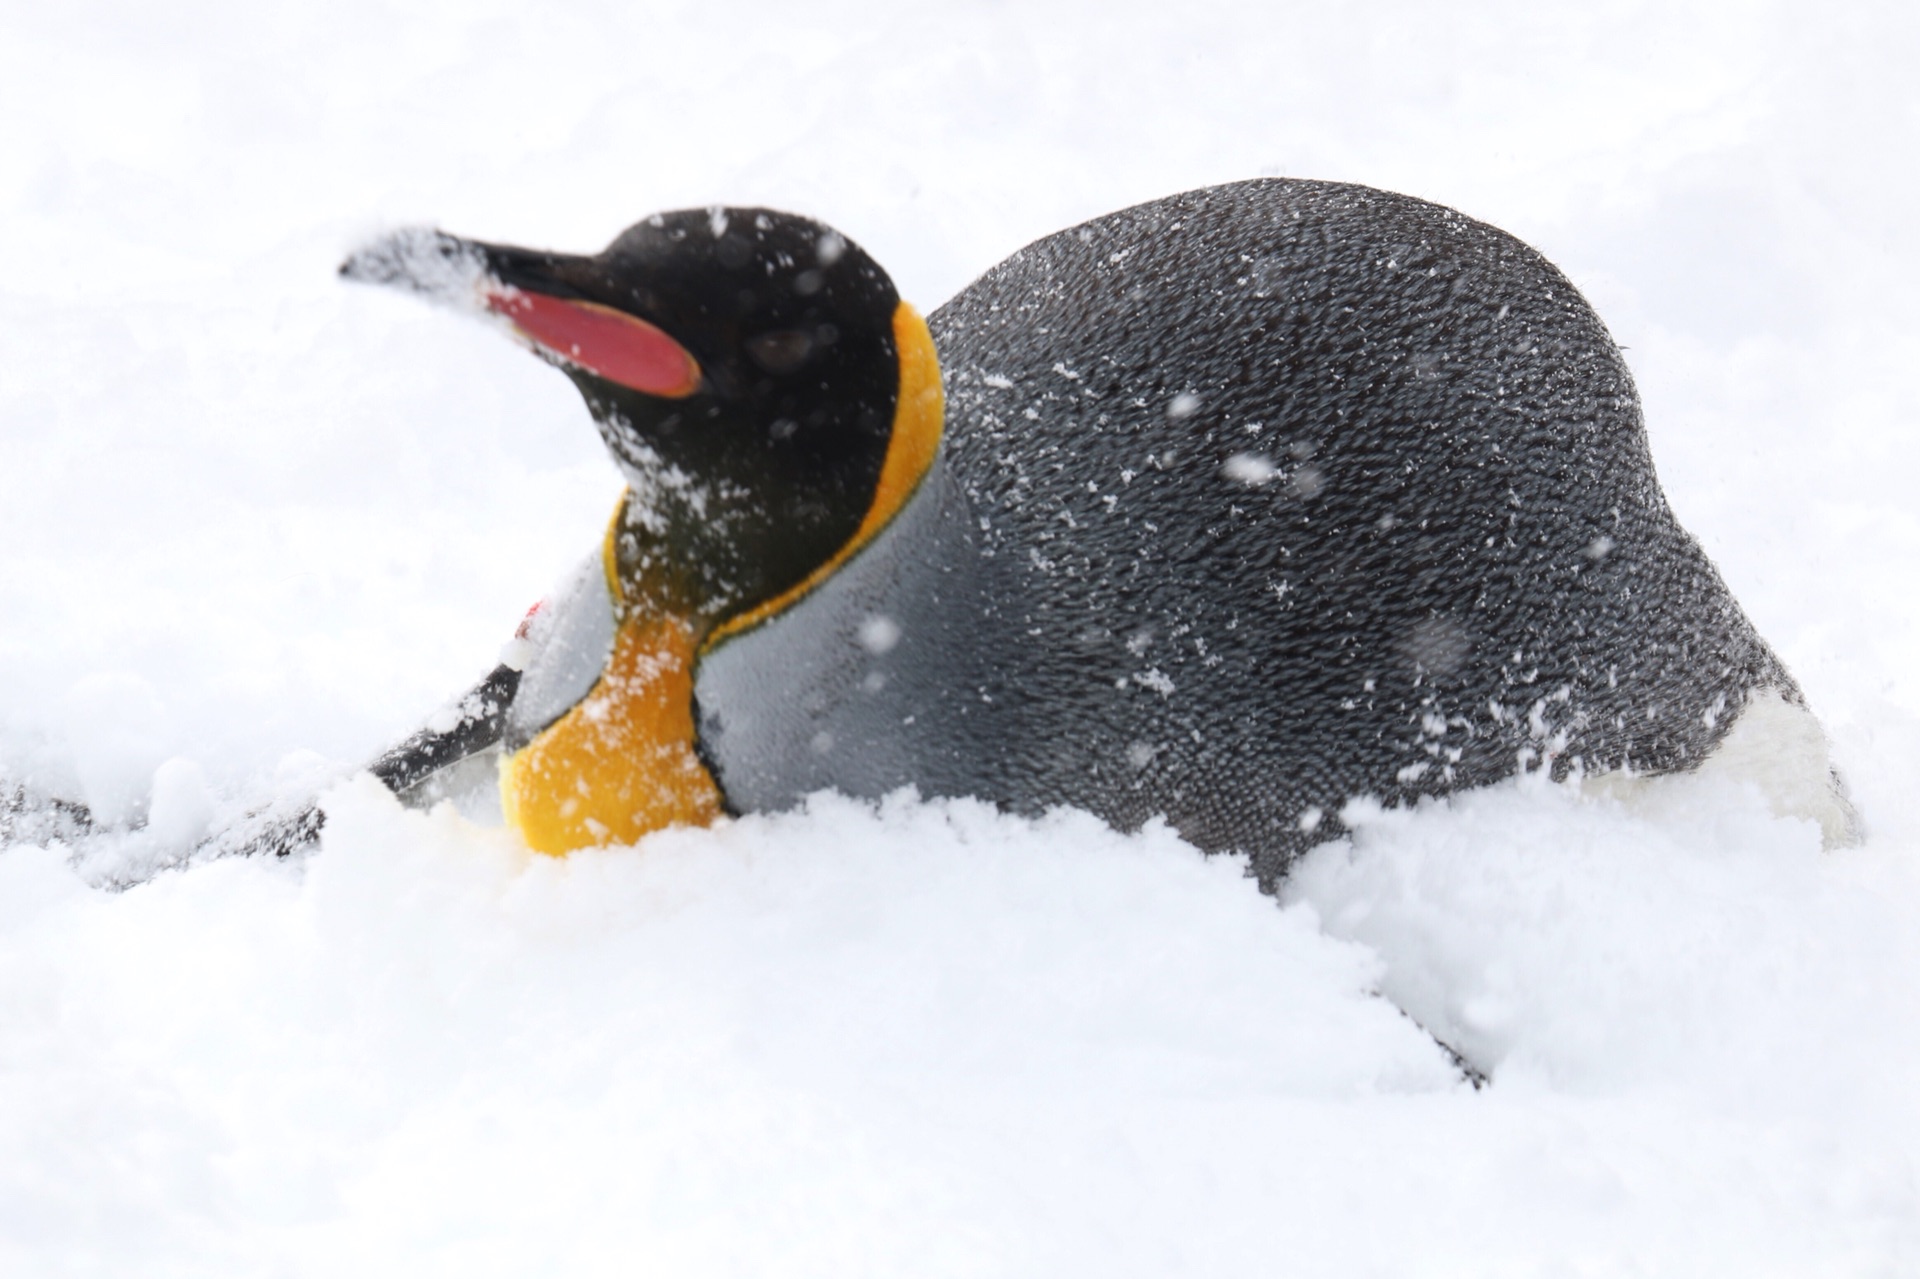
(624, 760)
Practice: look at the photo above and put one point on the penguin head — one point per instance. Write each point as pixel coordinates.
(752, 373)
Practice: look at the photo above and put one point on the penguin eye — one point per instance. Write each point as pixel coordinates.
(781, 351)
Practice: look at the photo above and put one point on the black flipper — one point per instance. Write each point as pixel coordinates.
(28, 816)
(482, 716)
(482, 719)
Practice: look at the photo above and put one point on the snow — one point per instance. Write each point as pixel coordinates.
(256, 524)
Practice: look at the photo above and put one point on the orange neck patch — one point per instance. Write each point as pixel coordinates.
(623, 762)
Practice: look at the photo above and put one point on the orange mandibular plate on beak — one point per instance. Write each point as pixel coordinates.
(608, 343)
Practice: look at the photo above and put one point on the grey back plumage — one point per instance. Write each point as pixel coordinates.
(1253, 500)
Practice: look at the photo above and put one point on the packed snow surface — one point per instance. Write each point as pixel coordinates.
(255, 524)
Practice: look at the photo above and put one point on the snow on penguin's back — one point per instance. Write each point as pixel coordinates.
(1253, 500)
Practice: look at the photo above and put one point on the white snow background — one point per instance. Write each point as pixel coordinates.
(255, 524)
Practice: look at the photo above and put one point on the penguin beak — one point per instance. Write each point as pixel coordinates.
(446, 268)
(437, 266)
(543, 298)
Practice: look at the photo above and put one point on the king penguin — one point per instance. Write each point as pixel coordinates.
(1228, 508)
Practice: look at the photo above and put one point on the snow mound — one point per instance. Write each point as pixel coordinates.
(927, 1037)
(852, 1029)
(1579, 944)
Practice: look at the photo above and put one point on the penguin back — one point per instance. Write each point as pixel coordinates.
(1301, 492)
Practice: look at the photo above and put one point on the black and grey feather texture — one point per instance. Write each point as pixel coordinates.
(1252, 501)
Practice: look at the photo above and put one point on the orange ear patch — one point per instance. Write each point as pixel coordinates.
(919, 416)
(605, 342)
